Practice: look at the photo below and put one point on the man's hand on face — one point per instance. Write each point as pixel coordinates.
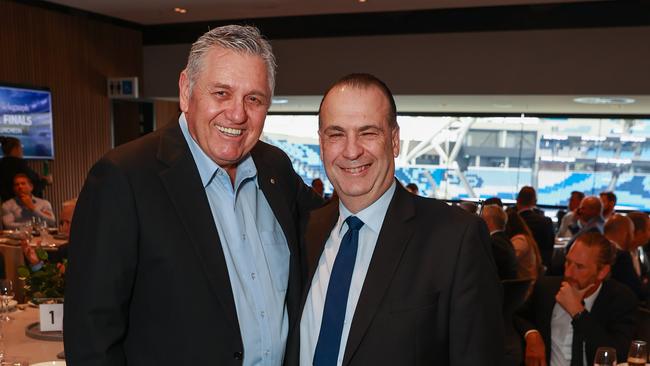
(535, 350)
(570, 298)
(26, 199)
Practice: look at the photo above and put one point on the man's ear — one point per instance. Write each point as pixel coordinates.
(603, 272)
(395, 141)
(184, 91)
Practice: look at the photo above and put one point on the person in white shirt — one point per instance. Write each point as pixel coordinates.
(567, 319)
(21, 209)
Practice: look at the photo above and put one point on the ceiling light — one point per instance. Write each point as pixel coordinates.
(279, 101)
(362, 1)
(180, 10)
(604, 100)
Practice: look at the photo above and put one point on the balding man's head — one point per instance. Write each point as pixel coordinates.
(494, 217)
(590, 208)
(620, 230)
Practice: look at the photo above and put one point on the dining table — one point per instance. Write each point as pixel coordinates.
(17, 345)
(13, 255)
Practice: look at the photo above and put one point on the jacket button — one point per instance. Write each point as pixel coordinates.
(238, 355)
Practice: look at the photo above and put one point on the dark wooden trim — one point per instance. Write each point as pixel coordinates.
(80, 13)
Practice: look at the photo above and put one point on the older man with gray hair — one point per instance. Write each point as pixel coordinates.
(184, 246)
(502, 249)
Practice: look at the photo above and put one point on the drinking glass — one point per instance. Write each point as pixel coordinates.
(638, 354)
(6, 294)
(605, 356)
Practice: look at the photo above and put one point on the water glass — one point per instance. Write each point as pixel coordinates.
(638, 354)
(6, 294)
(605, 356)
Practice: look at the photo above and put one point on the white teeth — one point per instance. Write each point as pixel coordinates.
(356, 170)
(230, 131)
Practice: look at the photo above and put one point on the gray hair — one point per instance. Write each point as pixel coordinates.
(244, 39)
(495, 214)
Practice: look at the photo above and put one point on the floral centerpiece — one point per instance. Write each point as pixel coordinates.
(46, 282)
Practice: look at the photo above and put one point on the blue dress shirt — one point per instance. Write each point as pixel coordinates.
(256, 253)
(312, 315)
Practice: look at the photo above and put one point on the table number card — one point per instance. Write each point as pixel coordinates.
(51, 316)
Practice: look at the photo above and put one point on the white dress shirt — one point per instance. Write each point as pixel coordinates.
(312, 315)
(562, 332)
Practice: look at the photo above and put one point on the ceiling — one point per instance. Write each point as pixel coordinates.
(149, 12)
(152, 13)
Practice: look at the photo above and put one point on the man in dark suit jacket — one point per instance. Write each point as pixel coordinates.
(619, 230)
(583, 308)
(158, 274)
(502, 249)
(540, 225)
(421, 287)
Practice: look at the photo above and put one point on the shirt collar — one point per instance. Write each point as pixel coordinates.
(208, 169)
(373, 215)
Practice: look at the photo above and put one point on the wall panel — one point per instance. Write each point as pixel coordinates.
(72, 55)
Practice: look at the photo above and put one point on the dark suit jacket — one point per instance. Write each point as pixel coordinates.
(431, 295)
(543, 233)
(504, 256)
(611, 321)
(623, 272)
(147, 282)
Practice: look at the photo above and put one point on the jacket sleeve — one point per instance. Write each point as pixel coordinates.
(476, 324)
(101, 269)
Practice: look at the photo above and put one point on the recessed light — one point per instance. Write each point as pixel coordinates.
(604, 100)
(362, 1)
(180, 10)
(279, 101)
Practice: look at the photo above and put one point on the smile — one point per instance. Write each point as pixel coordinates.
(356, 170)
(230, 131)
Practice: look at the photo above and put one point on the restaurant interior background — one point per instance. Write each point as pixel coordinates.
(503, 77)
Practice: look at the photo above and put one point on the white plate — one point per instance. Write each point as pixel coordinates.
(49, 363)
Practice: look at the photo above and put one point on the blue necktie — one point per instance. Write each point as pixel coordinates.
(336, 300)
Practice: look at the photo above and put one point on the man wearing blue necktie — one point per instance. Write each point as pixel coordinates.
(391, 278)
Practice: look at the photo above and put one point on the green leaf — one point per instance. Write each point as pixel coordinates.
(23, 272)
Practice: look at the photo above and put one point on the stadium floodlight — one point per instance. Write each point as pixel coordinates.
(604, 100)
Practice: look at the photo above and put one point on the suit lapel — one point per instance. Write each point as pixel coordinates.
(321, 224)
(183, 184)
(396, 231)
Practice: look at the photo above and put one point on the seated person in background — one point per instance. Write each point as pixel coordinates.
(493, 201)
(590, 217)
(619, 230)
(318, 187)
(65, 218)
(567, 319)
(529, 261)
(608, 200)
(570, 219)
(413, 188)
(639, 239)
(504, 253)
(540, 226)
(24, 206)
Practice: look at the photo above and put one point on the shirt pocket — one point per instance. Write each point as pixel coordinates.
(277, 255)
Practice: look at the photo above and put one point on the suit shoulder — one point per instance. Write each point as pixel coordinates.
(270, 154)
(135, 152)
(622, 293)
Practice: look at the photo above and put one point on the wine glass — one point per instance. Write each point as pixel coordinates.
(605, 356)
(6, 294)
(638, 354)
